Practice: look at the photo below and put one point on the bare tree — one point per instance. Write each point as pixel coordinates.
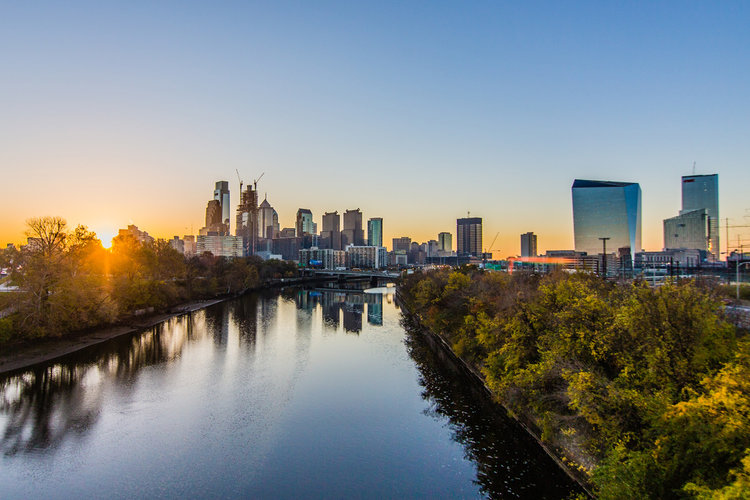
(46, 234)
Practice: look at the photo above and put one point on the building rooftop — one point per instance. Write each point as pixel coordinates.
(581, 183)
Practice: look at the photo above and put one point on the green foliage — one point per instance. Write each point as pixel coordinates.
(68, 281)
(653, 380)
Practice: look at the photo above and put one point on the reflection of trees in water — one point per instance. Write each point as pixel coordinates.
(44, 406)
(244, 314)
(509, 462)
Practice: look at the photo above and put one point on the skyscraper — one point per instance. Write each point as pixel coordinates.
(402, 244)
(353, 234)
(702, 191)
(330, 236)
(375, 232)
(469, 236)
(606, 209)
(528, 245)
(304, 223)
(445, 242)
(221, 194)
(689, 230)
(268, 220)
(247, 219)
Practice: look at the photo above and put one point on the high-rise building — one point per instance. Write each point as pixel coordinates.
(214, 225)
(528, 245)
(469, 236)
(247, 219)
(375, 232)
(606, 209)
(221, 194)
(702, 191)
(402, 244)
(445, 242)
(330, 236)
(268, 220)
(353, 234)
(689, 230)
(304, 224)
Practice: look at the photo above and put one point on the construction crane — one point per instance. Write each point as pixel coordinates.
(240, 179)
(484, 255)
(255, 182)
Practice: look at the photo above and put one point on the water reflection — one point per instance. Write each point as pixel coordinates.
(43, 406)
(239, 371)
(509, 462)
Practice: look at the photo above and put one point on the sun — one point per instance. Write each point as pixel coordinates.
(105, 234)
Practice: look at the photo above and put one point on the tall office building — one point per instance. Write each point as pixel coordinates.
(330, 236)
(221, 194)
(268, 220)
(445, 242)
(304, 224)
(702, 191)
(528, 245)
(605, 209)
(247, 219)
(689, 230)
(353, 234)
(375, 232)
(213, 214)
(402, 244)
(469, 236)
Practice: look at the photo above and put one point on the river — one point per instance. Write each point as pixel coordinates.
(298, 394)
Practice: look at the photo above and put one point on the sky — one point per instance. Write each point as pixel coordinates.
(117, 113)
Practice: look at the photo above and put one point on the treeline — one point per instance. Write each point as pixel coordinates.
(68, 281)
(645, 389)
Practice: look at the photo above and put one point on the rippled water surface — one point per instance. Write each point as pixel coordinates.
(303, 394)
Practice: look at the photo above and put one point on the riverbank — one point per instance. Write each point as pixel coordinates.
(557, 454)
(29, 354)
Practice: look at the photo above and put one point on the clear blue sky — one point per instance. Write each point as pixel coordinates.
(413, 111)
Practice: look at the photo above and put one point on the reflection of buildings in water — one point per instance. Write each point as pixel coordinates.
(331, 303)
(375, 310)
(353, 317)
(305, 302)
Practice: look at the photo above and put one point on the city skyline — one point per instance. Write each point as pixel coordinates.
(487, 109)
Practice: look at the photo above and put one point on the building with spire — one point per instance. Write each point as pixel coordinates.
(268, 220)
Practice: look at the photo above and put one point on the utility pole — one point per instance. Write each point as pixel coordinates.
(604, 256)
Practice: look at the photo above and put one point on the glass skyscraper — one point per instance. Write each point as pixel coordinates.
(375, 232)
(702, 191)
(221, 194)
(605, 209)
